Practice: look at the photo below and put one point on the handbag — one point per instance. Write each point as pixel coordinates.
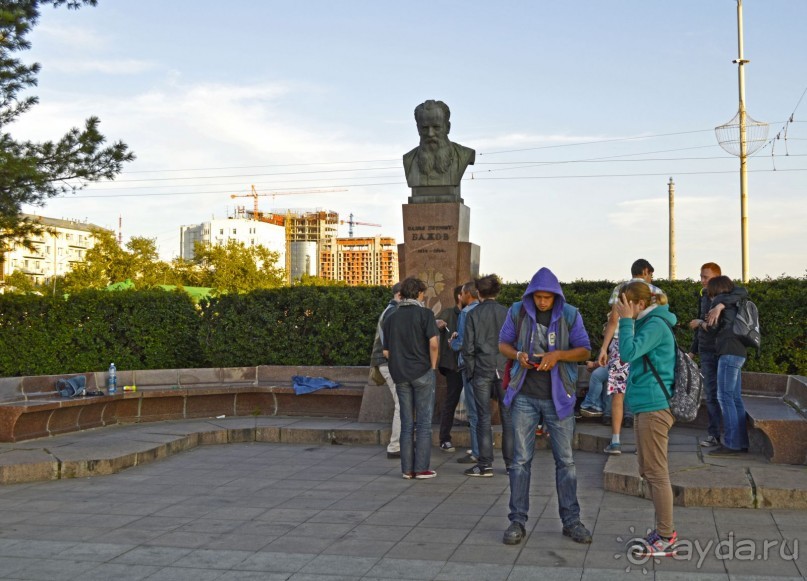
(375, 376)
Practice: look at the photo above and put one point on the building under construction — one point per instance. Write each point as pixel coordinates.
(313, 249)
(360, 261)
(306, 234)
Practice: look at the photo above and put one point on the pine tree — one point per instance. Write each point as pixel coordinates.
(30, 172)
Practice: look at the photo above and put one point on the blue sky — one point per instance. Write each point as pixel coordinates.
(579, 111)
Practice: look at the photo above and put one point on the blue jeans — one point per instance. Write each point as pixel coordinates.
(484, 388)
(470, 406)
(729, 386)
(416, 399)
(527, 413)
(596, 386)
(709, 370)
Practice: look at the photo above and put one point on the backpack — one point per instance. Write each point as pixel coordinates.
(687, 385)
(746, 324)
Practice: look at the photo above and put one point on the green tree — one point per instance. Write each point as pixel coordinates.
(17, 282)
(236, 268)
(106, 263)
(30, 172)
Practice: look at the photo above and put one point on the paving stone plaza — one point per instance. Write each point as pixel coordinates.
(273, 511)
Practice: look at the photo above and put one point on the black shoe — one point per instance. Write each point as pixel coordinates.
(514, 533)
(479, 470)
(393, 455)
(606, 420)
(468, 459)
(628, 422)
(722, 451)
(578, 533)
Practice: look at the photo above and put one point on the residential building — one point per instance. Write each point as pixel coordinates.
(360, 261)
(221, 231)
(60, 245)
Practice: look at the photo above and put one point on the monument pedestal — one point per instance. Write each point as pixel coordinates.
(436, 249)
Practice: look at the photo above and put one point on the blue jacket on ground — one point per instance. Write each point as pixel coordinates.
(564, 375)
(649, 335)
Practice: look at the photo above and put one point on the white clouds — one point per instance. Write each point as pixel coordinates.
(106, 67)
(76, 37)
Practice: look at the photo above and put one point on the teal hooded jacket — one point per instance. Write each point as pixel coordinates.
(652, 336)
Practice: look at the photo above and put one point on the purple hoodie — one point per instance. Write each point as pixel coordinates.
(545, 280)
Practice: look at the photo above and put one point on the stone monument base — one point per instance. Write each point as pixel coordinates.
(436, 249)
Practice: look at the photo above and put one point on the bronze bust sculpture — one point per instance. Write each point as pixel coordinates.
(434, 169)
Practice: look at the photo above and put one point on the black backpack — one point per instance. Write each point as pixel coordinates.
(687, 385)
(746, 324)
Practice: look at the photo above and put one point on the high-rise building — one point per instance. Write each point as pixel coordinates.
(219, 232)
(307, 232)
(360, 261)
(60, 245)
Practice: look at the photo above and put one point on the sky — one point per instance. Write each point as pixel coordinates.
(580, 113)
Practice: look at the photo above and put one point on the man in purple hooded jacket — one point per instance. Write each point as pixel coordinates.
(545, 337)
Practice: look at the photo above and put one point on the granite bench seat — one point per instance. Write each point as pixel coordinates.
(32, 409)
(779, 422)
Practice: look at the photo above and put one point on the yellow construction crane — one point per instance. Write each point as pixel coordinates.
(255, 195)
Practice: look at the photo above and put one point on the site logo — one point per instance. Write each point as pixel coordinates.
(723, 550)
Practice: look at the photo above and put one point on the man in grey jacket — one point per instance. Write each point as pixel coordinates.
(484, 366)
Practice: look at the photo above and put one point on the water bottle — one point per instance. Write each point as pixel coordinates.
(112, 380)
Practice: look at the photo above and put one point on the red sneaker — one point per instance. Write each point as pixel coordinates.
(425, 474)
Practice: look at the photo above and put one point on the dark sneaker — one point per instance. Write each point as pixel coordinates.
(425, 474)
(722, 451)
(606, 420)
(514, 533)
(613, 449)
(654, 545)
(468, 459)
(393, 455)
(481, 471)
(408, 475)
(447, 447)
(577, 532)
(590, 413)
(710, 442)
(628, 422)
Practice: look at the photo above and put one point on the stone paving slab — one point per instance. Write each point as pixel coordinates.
(190, 516)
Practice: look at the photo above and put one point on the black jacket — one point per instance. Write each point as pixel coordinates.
(703, 341)
(448, 357)
(480, 343)
(726, 342)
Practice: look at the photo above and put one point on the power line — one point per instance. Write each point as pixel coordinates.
(399, 183)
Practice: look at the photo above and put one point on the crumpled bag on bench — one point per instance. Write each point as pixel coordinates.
(71, 387)
(303, 384)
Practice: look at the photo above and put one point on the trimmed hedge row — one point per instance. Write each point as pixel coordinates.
(306, 325)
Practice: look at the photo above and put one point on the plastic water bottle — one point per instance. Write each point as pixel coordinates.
(112, 380)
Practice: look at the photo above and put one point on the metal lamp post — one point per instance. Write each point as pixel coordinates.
(742, 136)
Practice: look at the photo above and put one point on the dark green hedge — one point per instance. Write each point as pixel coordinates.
(301, 325)
(306, 325)
(137, 330)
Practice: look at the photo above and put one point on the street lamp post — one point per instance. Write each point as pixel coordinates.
(742, 136)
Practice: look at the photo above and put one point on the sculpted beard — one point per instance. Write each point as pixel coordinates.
(437, 159)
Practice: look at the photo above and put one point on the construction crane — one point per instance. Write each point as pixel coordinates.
(255, 195)
(351, 222)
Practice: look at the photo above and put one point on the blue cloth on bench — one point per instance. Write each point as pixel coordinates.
(304, 384)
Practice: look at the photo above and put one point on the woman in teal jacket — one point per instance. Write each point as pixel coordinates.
(645, 329)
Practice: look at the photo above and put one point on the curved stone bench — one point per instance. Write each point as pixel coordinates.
(31, 408)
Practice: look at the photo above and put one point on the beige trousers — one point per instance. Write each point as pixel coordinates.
(652, 431)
